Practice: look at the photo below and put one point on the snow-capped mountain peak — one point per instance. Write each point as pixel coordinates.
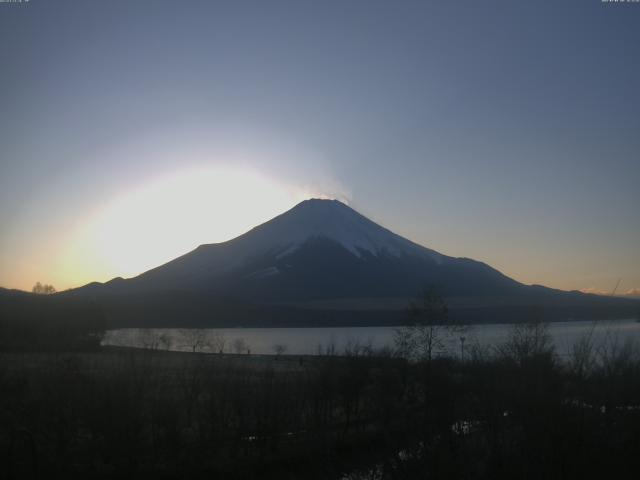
(335, 221)
(318, 249)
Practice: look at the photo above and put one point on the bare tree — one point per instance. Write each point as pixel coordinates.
(279, 349)
(529, 340)
(404, 340)
(45, 289)
(196, 339)
(239, 345)
(430, 325)
(218, 342)
(149, 339)
(583, 355)
(355, 347)
(165, 341)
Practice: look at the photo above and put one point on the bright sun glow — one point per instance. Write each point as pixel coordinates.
(172, 215)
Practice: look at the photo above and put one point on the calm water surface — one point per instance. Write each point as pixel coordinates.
(310, 341)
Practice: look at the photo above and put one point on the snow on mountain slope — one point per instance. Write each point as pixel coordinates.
(333, 220)
(319, 251)
(285, 234)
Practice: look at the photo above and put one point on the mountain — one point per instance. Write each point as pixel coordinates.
(320, 263)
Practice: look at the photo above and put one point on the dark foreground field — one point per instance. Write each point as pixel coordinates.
(516, 413)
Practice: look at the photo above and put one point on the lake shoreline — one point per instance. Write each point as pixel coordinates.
(335, 340)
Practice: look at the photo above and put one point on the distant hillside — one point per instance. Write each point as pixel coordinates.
(30, 322)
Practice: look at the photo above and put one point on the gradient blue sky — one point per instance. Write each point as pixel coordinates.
(504, 131)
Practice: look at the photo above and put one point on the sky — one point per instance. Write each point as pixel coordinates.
(507, 132)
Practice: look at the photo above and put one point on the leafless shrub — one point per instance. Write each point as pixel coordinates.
(527, 341)
(279, 349)
(430, 325)
(149, 339)
(478, 353)
(583, 356)
(195, 339)
(357, 348)
(615, 355)
(217, 342)
(45, 289)
(165, 341)
(328, 350)
(239, 345)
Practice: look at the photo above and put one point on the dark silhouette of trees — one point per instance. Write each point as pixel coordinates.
(196, 339)
(45, 289)
(279, 349)
(429, 324)
(49, 322)
(519, 414)
(527, 341)
(70, 410)
(239, 345)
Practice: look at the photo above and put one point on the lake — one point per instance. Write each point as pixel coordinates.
(311, 341)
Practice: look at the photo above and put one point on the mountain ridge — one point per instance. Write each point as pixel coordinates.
(312, 229)
(318, 251)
